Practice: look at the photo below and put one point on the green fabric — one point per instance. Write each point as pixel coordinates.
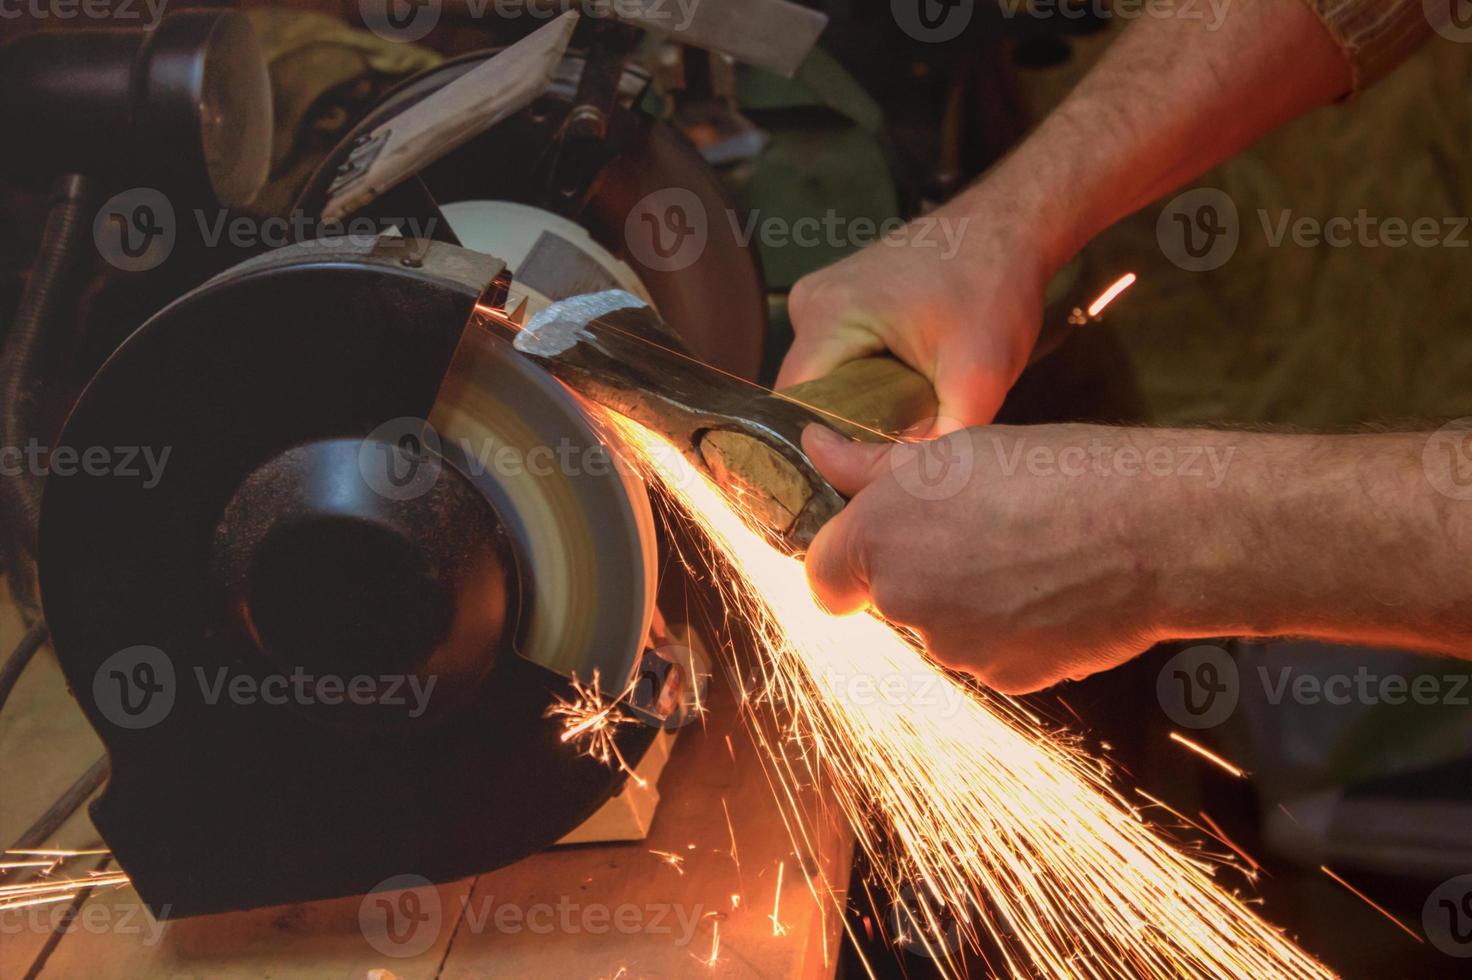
(824, 163)
(324, 74)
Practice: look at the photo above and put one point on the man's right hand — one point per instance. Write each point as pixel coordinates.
(1171, 98)
(966, 315)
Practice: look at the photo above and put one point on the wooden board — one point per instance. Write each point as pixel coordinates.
(609, 907)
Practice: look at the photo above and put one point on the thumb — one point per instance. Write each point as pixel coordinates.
(836, 567)
(850, 466)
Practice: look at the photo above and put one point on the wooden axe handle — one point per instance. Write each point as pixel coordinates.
(880, 394)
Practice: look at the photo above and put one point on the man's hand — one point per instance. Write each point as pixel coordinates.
(1028, 556)
(967, 320)
(1174, 96)
(1019, 575)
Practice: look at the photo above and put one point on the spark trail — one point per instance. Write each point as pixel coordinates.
(982, 824)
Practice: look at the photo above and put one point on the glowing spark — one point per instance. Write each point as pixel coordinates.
(735, 902)
(778, 929)
(1221, 835)
(980, 820)
(1097, 308)
(49, 891)
(1208, 755)
(715, 943)
(1374, 905)
(673, 860)
(594, 721)
(60, 854)
(731, 829)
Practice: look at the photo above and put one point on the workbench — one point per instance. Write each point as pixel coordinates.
(590, 911)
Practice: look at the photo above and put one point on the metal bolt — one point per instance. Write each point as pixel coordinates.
(587, 122)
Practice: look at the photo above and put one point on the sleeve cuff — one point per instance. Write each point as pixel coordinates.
(1375, 35)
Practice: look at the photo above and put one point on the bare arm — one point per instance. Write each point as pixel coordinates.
(1354, 539)
(1170, 99)
(1047, 553)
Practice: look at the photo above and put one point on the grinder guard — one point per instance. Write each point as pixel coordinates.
(262, 385)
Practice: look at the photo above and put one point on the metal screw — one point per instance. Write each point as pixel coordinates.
(587, 122)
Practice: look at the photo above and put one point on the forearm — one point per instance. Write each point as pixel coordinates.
(1339, 538)
(1173, 97)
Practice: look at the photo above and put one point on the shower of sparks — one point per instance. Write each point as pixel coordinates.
(593, 722)
(47, 890)
(1373, 904)
(1208, 755)
(992, 828)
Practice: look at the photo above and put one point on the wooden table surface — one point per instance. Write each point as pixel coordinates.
(576, 912)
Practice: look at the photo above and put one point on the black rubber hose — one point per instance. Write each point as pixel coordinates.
(26, 373)
(24, 652)
(64, 806)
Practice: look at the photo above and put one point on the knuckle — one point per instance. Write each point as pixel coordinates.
(813, 301)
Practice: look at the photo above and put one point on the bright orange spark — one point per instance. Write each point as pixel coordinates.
(967, 808)
(594, 720)
(675, 861)
(778, 929)
(1221, 835)
(1374, 905)
(1208, 755)
(715, 943)
(1097, 308)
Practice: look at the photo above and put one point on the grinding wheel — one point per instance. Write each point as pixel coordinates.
(269, 544)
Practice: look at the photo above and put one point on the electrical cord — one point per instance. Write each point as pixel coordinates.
(30, 346)
(25, 651)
